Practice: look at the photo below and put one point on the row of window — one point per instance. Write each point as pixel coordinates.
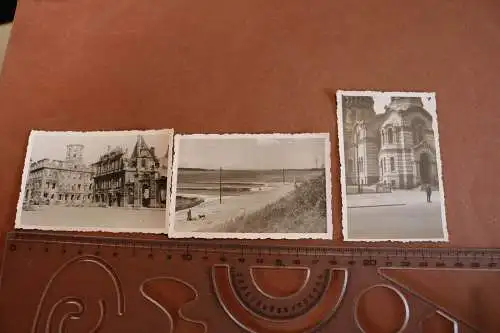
(108, 183)
(67, 187)
(391, 135)
(110, 166)
(118, 165)
(383, 165)
(62, 174)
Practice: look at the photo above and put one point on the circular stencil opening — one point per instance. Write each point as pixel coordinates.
(381, 309)
(279, 282)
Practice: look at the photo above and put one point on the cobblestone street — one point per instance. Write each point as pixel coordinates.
(397, 215)
(55, 216)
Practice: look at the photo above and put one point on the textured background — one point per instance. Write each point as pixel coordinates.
(263, 66)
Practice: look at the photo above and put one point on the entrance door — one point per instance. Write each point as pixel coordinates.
(145, 196)
(130, 196)
(425, 168)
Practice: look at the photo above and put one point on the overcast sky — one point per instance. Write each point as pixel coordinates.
(382, 100)
(53, 145)
(251, 153)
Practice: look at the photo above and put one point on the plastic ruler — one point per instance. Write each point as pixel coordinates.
(64, 283)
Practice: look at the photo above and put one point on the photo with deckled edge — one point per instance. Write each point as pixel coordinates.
(251, 186)
(113, 181)
(391, 170)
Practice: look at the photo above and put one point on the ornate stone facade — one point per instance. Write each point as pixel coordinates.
(137, 180)
(66, 181)
(396, 148)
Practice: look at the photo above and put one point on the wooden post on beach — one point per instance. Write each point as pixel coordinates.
(220, 185)
(283, 176)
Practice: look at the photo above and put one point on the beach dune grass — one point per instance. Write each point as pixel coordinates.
(301, 211)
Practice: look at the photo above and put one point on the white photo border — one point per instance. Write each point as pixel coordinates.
(343, 185)
(24, 178)
(223, 235)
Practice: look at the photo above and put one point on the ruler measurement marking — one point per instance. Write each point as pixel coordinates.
(471, 258)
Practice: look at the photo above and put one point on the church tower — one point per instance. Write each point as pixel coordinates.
(358, 112)
(74, 154)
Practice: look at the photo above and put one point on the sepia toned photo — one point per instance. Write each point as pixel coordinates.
(251, 186)
(103, 181)
(392, 185)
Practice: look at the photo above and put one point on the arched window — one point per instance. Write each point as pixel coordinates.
(349, 164)
(382, 165)
(390, 137)
(393, 166)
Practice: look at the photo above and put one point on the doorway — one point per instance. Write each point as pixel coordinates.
(145, 196)
(425, 168)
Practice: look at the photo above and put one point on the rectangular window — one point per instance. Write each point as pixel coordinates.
(393, 166)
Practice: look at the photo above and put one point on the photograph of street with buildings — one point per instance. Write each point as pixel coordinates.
(251, 186)
(390, 166)
(108, 181)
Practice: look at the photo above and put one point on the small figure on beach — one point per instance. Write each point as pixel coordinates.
(428, 190)
(189, 215)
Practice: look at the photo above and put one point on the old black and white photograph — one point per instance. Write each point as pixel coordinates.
(391, 173)
(114, 181)
(274, 186)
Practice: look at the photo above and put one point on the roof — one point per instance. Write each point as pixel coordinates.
(141, 145)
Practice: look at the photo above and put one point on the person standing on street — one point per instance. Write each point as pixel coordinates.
(428, 190)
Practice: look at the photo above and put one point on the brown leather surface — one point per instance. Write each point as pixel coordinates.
(263, 66)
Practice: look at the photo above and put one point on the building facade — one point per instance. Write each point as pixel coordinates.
(395, 148)
(65, 182)
(138, 180)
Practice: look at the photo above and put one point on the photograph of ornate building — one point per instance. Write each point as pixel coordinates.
(110, 181)
(391, 166)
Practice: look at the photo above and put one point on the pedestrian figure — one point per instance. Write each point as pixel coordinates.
(428, 189)
(189, 216)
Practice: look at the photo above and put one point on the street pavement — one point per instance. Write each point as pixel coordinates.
(397, 215)
(396, 197)
(112, 217)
